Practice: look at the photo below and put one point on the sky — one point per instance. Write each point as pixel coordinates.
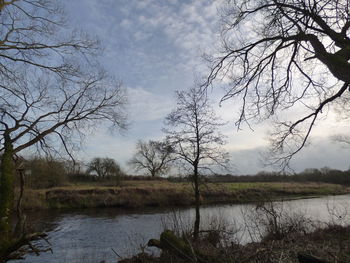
(155, 47)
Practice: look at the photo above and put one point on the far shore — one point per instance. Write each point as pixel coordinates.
(142, 194)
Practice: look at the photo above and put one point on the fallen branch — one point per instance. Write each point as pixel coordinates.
(17, 249)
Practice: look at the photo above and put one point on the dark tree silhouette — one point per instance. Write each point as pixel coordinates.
(152, 156)
(192, 131)
(36, 34)
(104, 167)
(47, 114)
(284, 55)
(51, 91)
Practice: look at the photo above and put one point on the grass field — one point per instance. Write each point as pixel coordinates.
(163, 193)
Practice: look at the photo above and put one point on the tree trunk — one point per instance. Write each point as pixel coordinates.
(7, 175)
(20, 226)
(197, 204)
(153, 173)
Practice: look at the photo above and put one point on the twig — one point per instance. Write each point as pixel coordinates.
(115, 252)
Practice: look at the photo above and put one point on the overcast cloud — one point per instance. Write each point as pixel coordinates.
(155, 48)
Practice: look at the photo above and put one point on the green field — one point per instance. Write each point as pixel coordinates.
(162, 193)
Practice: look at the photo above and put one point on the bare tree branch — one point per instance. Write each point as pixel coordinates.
(51, 91)
(282, 55)
(192, 131)
(153, 156)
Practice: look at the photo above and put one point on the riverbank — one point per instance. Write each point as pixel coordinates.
(330, 244)
(139, 194)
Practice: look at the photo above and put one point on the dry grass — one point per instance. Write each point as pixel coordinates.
(164, 193)
(331, 244)
(295, 235)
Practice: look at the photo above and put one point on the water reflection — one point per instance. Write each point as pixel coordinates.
(89, 235)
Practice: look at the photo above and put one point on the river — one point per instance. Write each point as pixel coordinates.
(89, 235)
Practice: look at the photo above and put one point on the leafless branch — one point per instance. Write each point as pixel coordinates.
(288, 54)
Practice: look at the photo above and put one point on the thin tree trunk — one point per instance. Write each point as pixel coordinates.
(6, 189)
(20, 226)
(21, 191)
(197, 204)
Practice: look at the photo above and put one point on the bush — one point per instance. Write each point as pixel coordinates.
(45, 173)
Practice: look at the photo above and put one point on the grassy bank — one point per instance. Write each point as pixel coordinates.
(133, 194)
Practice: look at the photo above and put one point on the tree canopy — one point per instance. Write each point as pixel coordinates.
(33, 112)
(104, 167)
(192, 130)
(37, 34)
(51, 91)
(50, 82)
(152, 156)
(284, 55)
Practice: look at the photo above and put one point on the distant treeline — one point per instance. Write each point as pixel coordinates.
(43, 173)
(48, 173)
(324, 175)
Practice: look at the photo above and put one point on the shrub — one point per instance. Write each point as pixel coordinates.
(45, 173)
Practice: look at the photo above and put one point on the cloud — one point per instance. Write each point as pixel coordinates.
(148, 39)
(322, 152)
(126, 23)
(104, 144)
(247, 162)
(189, 27)
(147, 106)
(154, 47)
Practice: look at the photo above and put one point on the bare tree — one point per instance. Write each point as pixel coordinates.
(104, 167)
(193, 134)
(51, 91)
(284, 55)
(153, 156)
(47, 114)
(36, 34)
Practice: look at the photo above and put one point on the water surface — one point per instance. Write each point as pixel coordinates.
(89, 235)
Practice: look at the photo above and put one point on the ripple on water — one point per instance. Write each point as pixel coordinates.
(89, 235)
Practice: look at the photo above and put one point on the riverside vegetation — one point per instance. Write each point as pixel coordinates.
(277, 235)
(54, 184)
(326, 245)
(162, 193)
(51, 186)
